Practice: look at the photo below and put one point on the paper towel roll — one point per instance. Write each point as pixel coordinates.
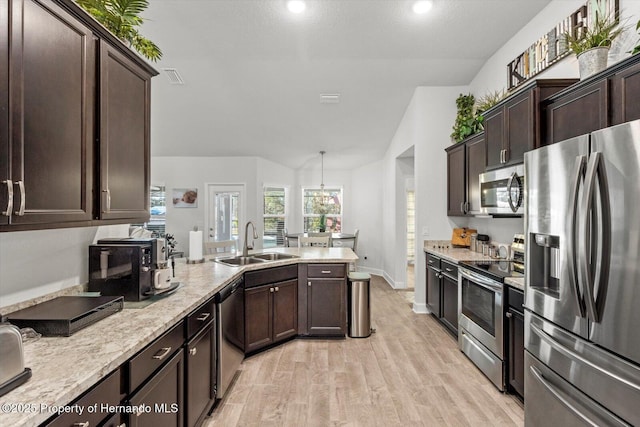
(195, 245)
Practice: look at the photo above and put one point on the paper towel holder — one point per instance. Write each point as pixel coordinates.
(199, 260)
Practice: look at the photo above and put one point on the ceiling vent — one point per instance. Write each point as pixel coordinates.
(174, 77)
(329, 98)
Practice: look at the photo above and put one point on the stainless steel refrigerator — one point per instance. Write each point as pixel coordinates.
(582, 297)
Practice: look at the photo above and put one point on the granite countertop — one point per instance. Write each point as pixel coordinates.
(515, 282)
(462, 254)
(65, 367)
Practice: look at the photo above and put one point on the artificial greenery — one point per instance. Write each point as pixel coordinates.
(600, 33)
(489, 99)
(637, 48)
(466, 123)
(122, 17)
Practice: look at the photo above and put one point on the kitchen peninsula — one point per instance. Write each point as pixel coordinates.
(64, 368)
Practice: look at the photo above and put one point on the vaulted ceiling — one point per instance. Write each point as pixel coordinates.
(254, 72)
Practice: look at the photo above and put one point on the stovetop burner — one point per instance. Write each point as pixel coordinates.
(497, 270)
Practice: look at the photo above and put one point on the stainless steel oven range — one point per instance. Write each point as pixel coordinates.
(481, 314)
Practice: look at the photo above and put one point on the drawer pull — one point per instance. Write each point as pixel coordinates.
(162, 353)
(193, 351)
(203, 317)
(84, 424)
(431, 262)
(448, 269)
(325, 271)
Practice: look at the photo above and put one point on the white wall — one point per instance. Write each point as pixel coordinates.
(426, 125)
(492, 76)
(367, 200)
(35, 263)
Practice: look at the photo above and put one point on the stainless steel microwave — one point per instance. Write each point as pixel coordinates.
(502, 191)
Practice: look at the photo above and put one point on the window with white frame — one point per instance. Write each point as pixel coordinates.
(158, 211)
(322, 210)
(274, 216)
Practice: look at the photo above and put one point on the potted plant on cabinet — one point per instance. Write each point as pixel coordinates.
(122, 17)
(637, 48)
(591, 45)
(467, 122)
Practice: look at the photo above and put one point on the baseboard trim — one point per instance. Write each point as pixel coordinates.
(420, 308)
(370, 270)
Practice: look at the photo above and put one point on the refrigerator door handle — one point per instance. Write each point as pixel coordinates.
(568, 401)
(604, 238)
(578, 177)
(601, 223)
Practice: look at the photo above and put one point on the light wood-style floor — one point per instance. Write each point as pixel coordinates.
(409, 373)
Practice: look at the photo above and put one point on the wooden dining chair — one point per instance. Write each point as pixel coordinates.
(285, 238)
(220, 248)
(316, 241)
(322, 234)
(355, 240)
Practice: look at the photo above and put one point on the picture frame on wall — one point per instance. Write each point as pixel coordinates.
(185, 197)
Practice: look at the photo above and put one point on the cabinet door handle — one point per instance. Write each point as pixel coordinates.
(193, 351)
(107, 192)
(20, 211)
(509, 315)
(270, 289)
(203, 317)
(9, 197)
(309, 283)
(466, 207)
(462, 207)
(162, 353)
(506, 155)
(277, 289)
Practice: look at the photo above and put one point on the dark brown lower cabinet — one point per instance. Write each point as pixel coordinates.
(106, 394)
(200, 364)
(271, 314)
(450, 303)
(162, 397)
(326, 307)
(433, 285)
(515, 342)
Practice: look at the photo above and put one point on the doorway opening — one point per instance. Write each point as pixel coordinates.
(225, 211)
(411, 237)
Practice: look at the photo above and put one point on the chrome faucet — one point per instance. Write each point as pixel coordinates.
(246, 246)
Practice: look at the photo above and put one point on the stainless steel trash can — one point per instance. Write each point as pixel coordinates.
(359, 305)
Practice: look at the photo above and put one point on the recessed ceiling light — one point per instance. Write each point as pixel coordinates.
(296, 6)
(422, 7)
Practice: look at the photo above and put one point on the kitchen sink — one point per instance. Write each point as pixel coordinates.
(274, 256)
(239, 260)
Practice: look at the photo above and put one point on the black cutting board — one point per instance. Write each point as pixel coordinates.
(63, 316)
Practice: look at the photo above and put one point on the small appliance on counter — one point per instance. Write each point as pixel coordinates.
(12, 370)
(66, 315)
(135, 268)
(481, 241)
(517, 251)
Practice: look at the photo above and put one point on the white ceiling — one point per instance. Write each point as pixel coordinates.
(254, 72)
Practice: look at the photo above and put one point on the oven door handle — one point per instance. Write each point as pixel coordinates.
(481, 280)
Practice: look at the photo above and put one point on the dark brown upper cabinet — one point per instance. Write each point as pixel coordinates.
(512, 127)
(74, 120)
(125, 111)
(604, 99)
(51, 116)
(465, 162)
